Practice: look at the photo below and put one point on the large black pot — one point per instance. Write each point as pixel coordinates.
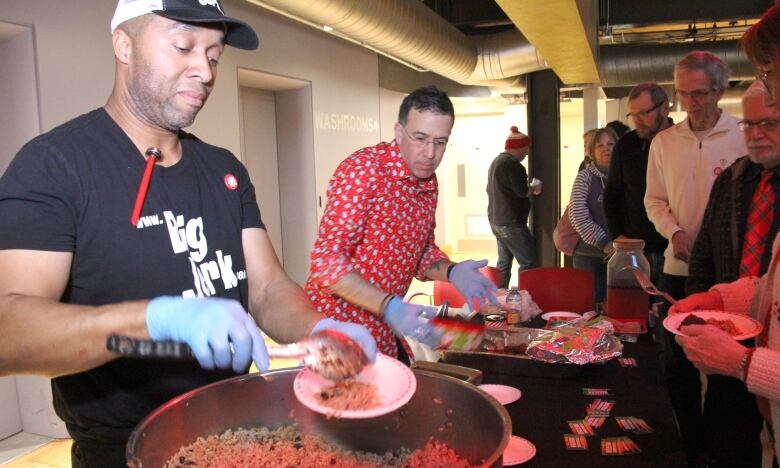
(443, 407)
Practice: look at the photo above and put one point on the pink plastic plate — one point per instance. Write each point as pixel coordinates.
(395, 384)
(518, 451)
(503, 393)
(748, 327)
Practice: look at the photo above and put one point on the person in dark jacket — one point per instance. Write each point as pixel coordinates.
(719, 256)
(648, 109)
(509, 203)
(619, 127)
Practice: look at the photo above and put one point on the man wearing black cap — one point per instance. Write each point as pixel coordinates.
(119, 222)
(509, 194)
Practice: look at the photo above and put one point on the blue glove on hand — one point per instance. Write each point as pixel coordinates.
(412, 320)
(471, 283)
(357, 332)
(210, 326)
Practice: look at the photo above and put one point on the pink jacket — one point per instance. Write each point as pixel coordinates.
(761, 300)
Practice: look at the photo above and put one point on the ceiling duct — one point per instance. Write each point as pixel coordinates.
(627, 65)
(409, 31)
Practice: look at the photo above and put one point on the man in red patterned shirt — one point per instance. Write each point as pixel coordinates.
(376, 234)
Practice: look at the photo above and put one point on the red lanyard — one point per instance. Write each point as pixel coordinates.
(153, 155)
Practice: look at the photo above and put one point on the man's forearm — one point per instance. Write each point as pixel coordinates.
(438, 271)
(284, 312)
(356, 290)
(46, 337)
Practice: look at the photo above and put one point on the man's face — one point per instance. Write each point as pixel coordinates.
(171, 71)
(648, 117)
(422, 141)
(763, 141)
(696, 95)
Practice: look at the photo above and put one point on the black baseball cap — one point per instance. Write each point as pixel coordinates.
(237, 33)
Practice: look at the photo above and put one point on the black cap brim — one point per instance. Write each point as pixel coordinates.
(237, 33)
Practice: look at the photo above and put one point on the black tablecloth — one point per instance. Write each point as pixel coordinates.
(549, 401)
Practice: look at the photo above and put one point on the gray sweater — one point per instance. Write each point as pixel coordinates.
(586, 211)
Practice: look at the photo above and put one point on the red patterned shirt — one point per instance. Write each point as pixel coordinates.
(378, 222)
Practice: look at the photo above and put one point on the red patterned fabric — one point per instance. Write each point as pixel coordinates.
(758, 224)
(378, 222)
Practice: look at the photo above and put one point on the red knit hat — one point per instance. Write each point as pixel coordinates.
(517, 139)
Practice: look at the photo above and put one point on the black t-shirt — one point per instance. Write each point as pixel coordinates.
(72, 190)
(507, 189)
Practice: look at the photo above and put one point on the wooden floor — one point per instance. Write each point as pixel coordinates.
(53, 454)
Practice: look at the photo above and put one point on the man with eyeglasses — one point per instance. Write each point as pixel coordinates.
(377, 231)
(648, 110)
(683, 163)
(735, 241)
(509, 203)
(710, 349)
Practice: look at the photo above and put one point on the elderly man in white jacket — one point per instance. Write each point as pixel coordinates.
(683, 163)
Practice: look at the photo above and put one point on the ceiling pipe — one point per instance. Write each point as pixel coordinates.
(413, 34)
(627, 65)
(410, 32)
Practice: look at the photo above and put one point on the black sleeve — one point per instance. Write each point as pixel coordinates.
(612, 196)
(250, 211)
(517, 178)
(701, 269)
(40, 200)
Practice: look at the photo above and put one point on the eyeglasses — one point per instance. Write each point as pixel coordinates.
(695, 95)
(644, 113)
(419, 140)
(766, 125)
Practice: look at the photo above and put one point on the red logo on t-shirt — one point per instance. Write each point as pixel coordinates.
(230, 181)
(717, 171)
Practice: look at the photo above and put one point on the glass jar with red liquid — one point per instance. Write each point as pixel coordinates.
(626, 300)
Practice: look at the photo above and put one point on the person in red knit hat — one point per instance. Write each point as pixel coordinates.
(509, 194)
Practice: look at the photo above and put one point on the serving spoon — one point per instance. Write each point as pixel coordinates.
(647, 285)
(328, 353)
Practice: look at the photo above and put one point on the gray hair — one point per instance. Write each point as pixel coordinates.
(656, 92)
(715, 68)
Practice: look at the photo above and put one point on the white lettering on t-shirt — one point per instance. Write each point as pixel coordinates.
(189, 237)
(178, 239)
(145, 221)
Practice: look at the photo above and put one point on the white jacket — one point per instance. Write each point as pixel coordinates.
(680, 173)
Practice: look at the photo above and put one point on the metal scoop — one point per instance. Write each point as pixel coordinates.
(647, 285)
(328, 353)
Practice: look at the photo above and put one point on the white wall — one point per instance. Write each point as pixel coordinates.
(260, 157)
(18, 98)
(296, 179)
(10, 416)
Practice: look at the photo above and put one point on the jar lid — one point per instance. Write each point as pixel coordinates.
(628, 244)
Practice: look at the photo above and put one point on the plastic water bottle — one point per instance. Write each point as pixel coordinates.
(513, 301)
(513, 298)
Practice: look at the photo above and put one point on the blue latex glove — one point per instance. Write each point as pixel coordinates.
(471, 283)
(412, 320)
(357, 332)
(209, 326)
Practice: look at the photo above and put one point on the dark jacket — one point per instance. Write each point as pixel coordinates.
(717, 252)
(625, 192)
(507, 190)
